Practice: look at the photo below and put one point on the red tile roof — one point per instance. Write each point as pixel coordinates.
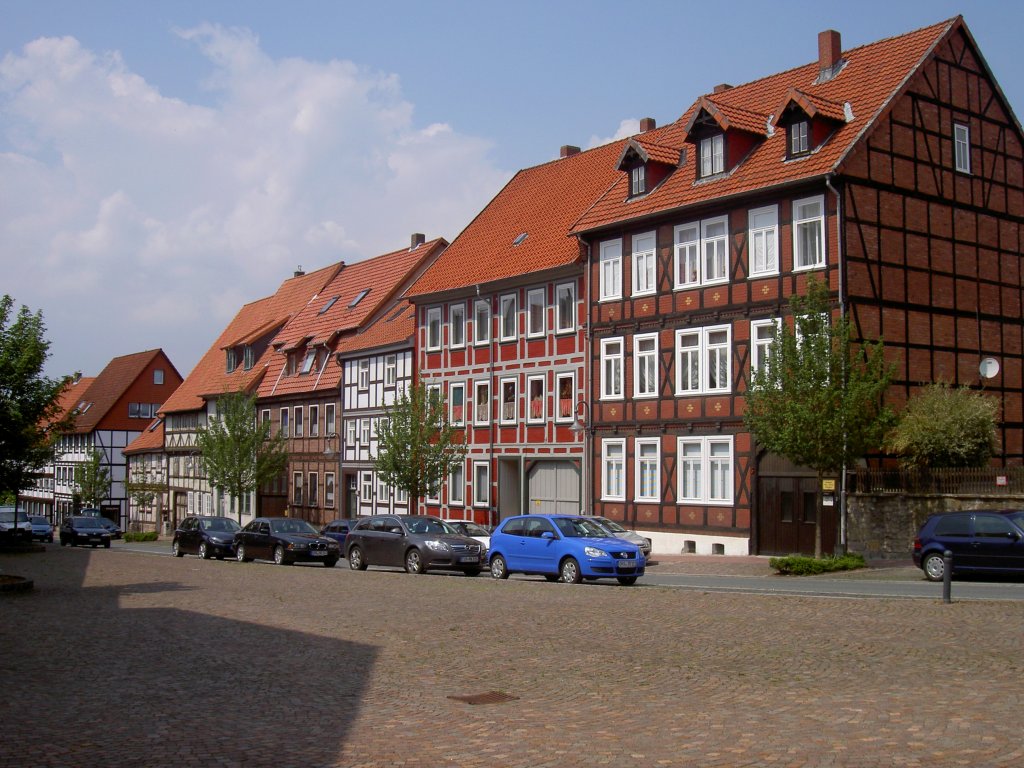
(648, 150)
(812, 106)
(107, 388)
(541, 202)
(871, 78)
(729, 116)
(332, 317)
(210, 378)
(73, 393)
(150, 441)
(395, 326)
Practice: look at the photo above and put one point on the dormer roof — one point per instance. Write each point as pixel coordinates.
(813, 106)
(726, 116)
(637, 148)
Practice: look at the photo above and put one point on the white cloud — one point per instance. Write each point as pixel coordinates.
(628, 127)
(134, 220)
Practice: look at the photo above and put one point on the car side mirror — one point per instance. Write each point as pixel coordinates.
(547, 535)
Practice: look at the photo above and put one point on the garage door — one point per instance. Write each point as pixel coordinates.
(554, 488)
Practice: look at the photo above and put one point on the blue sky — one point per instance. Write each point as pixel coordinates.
(165, 162)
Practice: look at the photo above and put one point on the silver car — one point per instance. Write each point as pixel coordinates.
(619, 532)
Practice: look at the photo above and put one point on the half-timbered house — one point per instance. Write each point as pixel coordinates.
(147, 477)
(894, 172)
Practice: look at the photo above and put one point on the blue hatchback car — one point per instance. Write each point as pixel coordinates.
(567, 548)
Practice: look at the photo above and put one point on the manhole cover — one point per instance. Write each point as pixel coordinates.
(491, 697)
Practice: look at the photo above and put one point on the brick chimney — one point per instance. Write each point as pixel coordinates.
(416, 240)
(647, 124)
(568, 150)
(721, 87)
(830, 54)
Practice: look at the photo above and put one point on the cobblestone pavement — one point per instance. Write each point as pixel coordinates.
(124, 659)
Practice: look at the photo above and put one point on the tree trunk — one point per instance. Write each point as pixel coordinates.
(818, 515)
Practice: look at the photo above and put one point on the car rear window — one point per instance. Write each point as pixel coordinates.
(953, 525)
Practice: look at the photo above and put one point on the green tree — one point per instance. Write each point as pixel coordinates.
(142, 489)
(417, 449)
(29, 401)
(92, 479)
(944, 426)
(818, 399)
(239, 454)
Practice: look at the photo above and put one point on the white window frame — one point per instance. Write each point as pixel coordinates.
(714, 476)
(456, 386)
(687, 255)
(531, 416)
(760, 347)
(390, 370)
(802, 221)
(330, 415)
(283, 426)
(763, 241)
(298, 422)
(611, 270)
(557, 396)
(363, 375)
(536, 304)
(366, 487)
(703, 349)
(485, 418)
(962, 147)
(401, 496)
(457, 486)
(799, 138)
(481, 471)
(313, 489)
(613, 470)
(329, 490)
(714, 249)
(314, 421)
(433, 342)
(351, 432)
(645, 360)
(482, 321)
(641, 458)
(612, 362)
(638, 180)
(712, 155)
(364, 432)
(297, 494)
(383, 491)
(457, 325)
(645, 264)
(565, 320)
(508, 315)
(506, 405)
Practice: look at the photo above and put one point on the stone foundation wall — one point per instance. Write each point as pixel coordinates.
(883, 526)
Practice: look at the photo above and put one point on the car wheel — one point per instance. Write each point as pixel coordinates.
(279, 557)
(552, 576)
(414, 562)
(106, 545)
(240, 554)
(355, 559)
(472, 571)
(627, 581)
(49, 539)
(569, 572)
(176, 549)
(934, 567)
(63, 543)
(204, 551)
(330, 563)
(499, 570)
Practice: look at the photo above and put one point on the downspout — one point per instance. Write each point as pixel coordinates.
(588, 415)
(842, 313)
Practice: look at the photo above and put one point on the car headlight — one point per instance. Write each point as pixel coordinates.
(436, 546)
(594, 552)
(298, 545)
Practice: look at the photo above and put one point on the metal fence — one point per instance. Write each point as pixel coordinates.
(985, 481)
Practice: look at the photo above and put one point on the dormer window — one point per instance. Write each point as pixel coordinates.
(307, 364)
(638, 181)
(248, 357)
(712, 155)
(231, 361)
(798, 142)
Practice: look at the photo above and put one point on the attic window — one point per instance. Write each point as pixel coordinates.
(397, 314)
(231, 359)
(520, 238)
(248, 357)
(84, 406)
(359, 297)
(798, 138)
(712, 155)
(307, 364)
(329, 304)
(638, 180)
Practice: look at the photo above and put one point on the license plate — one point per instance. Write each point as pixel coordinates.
(318, 554)
(627, 563)
(469, 559)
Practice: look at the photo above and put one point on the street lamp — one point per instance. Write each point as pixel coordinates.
(581, 423)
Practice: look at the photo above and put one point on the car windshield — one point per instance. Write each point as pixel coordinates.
(428, 525)
(611, 525)
(86, 522)
(292, 526)
(39, 520)
(578, 527)
(7, 516)
(223, 524)
(472, 529)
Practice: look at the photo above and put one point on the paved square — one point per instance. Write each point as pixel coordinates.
(123, 659)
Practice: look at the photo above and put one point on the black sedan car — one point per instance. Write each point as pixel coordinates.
(83, 530)
(206, 536)
(338, 530)
(112, 528)
(285, 540)
(414, 542)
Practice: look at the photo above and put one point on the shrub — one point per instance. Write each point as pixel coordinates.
(802, 565)
(141, 536)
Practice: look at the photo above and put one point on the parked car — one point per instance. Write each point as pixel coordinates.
(106, 522)
(285, 540)
(205, 535)
(83, 530)
(41, 528)
(981, 541)
(416, 542)
(338, 530)
(566, 548)
(473, 530)
(15, 527)
(621, 532)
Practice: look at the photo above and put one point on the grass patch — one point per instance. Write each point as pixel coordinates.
(141, 536)
(801, 565)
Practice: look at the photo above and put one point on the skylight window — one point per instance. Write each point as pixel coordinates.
(520, 238)
(329, 304)
(359, 297)
(307, 364)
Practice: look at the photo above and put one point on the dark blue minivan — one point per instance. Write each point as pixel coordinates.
(981, 540)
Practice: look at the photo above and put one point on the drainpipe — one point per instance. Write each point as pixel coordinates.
(842, 313)
(588, 441)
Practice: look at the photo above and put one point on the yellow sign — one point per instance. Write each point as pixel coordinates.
(828, 485)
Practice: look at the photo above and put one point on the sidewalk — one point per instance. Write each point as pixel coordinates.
(757, 565)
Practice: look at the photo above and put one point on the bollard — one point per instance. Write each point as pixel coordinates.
(947, 575)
